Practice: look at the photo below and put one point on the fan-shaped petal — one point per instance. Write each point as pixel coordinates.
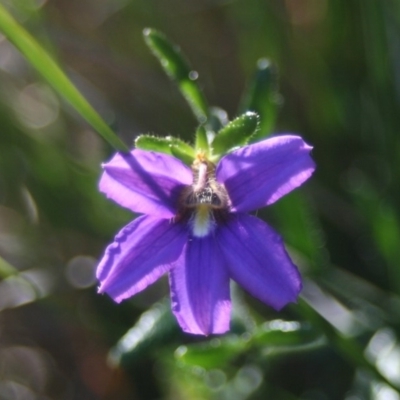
(145, 181)
(200, 288)
(261, 173)
(258, 261)
(141, 252)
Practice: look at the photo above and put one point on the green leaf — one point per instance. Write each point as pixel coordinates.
(201, 142)
(277, 337)
(184, 152)
(236, 133)
(52, 73)
(211, 354)
(153, 143)
(6, 269)
(178, 69)
(155, 327)
(169, 145)
(262, 97)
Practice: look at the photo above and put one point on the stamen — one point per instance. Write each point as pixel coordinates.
(205, 203)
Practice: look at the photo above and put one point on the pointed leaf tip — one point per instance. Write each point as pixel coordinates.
(262, 96)
(168, 145)
(236, 133)
(178, 69)
(201, 141)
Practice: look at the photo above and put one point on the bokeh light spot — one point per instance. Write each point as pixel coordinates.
(80, 271)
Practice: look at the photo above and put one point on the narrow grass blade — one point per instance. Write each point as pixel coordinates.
(52, 73)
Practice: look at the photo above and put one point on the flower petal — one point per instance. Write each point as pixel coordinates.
(258, 261)
(145, 182)
(142, 251)
(261, 173)
(200, 288)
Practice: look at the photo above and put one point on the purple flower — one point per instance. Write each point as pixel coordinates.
(196, 227)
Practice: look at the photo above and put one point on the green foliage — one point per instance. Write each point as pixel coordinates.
(338, 88)
(169, 145)
(45, 65)
(177, 68)
(155, 328)
(262, 97)
(236, 133)
(272, 339)
(201, 140)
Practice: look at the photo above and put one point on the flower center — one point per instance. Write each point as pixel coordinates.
(206, 202)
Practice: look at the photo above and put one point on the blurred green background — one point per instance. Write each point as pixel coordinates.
(339, 87)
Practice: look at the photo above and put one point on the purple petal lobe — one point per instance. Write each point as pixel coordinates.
(200, 288)
(142, 251)
(145, 182)
(257, 260)
(261, 173)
